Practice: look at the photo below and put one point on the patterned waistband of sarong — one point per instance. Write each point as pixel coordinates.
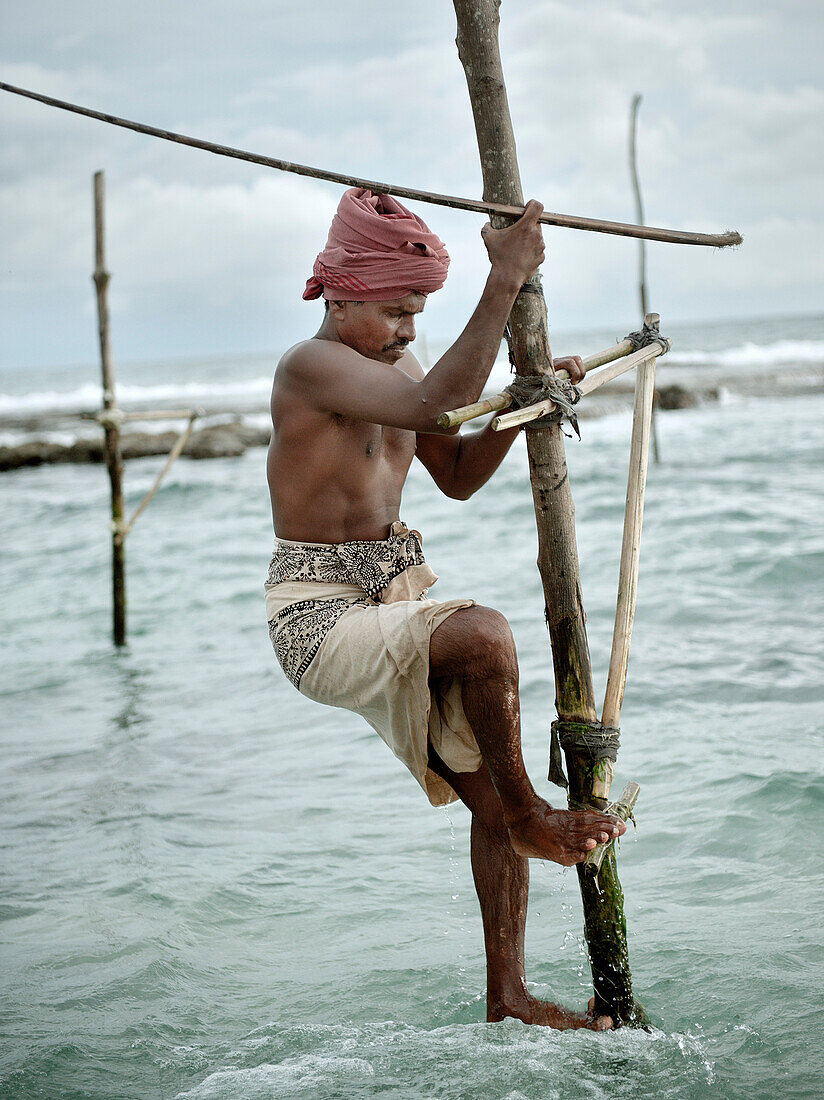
(371, 565)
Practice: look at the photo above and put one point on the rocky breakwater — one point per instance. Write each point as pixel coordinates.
(213, 441)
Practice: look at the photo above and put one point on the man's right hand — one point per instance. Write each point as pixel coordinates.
(518, 250)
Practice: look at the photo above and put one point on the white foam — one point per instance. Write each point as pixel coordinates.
(755, 355)
(89, 395)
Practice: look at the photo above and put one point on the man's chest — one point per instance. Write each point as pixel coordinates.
(375, 444)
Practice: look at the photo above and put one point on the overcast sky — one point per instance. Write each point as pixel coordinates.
(210, 257)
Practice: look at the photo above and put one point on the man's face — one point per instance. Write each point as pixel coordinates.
(378, 330)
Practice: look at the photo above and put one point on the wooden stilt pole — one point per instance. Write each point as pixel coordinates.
(605, 926)
(642, 248)
(111, 422)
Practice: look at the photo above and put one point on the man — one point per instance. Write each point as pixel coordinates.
(346, 595)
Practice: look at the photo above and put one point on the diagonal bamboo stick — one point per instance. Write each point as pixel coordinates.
(567, 221)
(124, 528)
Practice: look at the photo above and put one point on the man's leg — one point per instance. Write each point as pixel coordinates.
(476, 644)
(502, 881)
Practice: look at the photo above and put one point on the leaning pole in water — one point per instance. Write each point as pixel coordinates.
(589, 777)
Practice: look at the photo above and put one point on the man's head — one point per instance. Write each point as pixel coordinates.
(377, 330)
(377, 251)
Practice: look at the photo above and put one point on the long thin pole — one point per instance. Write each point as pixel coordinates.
(639, 206)
(604, 922)
(642, 248)
(567, 221)
(628, 578)
(114, 458)
(630, 544)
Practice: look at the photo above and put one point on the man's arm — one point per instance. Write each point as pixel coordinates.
(334, 377)
(461, 464)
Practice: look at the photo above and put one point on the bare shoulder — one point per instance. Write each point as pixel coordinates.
(311, 356)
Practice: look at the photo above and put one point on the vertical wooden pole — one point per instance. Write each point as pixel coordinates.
(605, 927)
(110, 419)
(642, 246)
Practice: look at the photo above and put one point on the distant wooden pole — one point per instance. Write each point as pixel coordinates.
(557, 552)
(639, 206)
(111, 422)
(642, 248)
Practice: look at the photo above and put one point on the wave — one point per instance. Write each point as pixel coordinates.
(89, 395)
(782, 352)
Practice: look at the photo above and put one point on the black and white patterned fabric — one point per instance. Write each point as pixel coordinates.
(298, 631)
(369, 565)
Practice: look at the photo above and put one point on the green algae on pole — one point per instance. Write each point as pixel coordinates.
(566, 221)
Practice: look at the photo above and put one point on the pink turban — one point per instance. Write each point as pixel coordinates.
(377, 251)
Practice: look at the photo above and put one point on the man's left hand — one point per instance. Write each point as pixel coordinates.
(573, 365)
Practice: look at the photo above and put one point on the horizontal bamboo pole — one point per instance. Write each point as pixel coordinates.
(116, 415)
(500, 401)
(589, 384)
(566, 221)
(163, 414)
(497, 402)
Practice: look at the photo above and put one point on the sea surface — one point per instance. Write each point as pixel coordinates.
(214, 888)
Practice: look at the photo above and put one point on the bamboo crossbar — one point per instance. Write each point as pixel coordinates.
(162, 414)
(115, 415)
(566, 221)
(499, 401)
(589, 384)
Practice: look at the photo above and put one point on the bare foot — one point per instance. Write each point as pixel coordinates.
(564, 836)
(532, 1011)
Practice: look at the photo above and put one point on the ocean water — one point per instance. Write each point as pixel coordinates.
(212, 887)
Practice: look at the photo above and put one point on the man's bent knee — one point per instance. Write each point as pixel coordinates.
(490, 647)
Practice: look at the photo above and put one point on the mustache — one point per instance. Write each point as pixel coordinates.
(401, 344)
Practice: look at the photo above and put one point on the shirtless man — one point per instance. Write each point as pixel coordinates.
(358, 396)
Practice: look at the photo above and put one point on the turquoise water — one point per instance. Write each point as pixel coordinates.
(214, 888)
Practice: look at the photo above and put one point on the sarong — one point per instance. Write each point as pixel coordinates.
(351, 624)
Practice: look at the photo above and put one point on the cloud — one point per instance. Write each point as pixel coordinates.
(210, 254)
